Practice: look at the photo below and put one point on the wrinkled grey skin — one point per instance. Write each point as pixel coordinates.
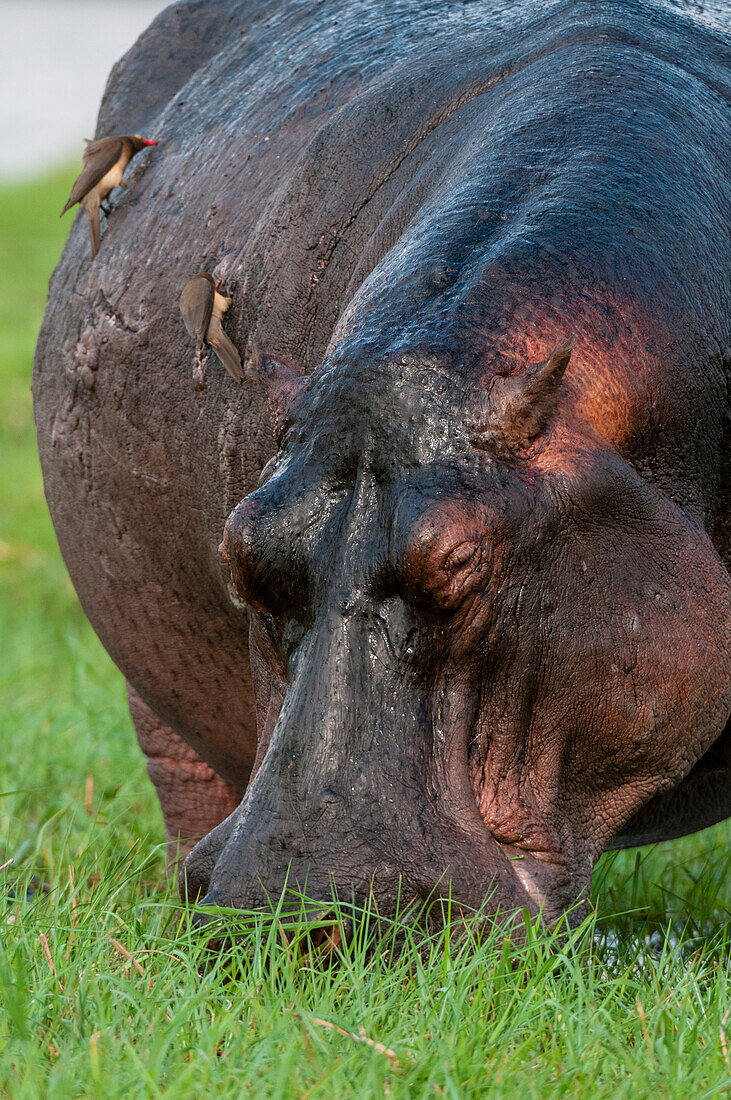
(411, 204)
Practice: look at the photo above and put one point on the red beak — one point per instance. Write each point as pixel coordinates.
(146, 141)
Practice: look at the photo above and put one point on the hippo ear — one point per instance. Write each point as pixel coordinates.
(521, 404)
(280, 383)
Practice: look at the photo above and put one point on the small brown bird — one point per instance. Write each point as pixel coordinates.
(104, 164)
(202, 308)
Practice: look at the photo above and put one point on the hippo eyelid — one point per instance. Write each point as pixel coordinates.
(460, 555)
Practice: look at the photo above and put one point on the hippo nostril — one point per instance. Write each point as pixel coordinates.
(194, 875)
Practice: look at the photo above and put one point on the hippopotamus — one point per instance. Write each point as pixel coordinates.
(436, 602)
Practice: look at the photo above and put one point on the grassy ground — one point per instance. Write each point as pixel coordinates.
(100, 990)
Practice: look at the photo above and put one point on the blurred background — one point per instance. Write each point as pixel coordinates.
(55, 56)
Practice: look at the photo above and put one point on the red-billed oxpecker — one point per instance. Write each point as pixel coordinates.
(203, 307)
(104, 163)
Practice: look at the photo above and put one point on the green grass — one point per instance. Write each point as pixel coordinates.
(641, 1007)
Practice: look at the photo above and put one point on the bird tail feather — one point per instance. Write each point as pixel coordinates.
(224, 349)
(91, 206)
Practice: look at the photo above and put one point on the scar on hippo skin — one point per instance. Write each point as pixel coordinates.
(112, 315)
(228, 273)
(85, 357)
(104, 321)
(193, 797)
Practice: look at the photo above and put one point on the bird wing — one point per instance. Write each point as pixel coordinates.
(99, 157)
(196, 306)
(225, 350)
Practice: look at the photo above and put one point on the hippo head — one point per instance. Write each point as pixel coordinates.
(459, 610)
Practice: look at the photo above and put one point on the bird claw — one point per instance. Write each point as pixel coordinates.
(199, 374)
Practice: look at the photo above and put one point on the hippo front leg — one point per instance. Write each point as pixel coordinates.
(194, 799)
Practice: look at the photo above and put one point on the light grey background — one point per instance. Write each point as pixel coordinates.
(55, 56)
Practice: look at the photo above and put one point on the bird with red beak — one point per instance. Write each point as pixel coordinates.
(202, 307)
(104, 163)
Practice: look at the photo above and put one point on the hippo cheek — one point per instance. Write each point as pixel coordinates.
(618, 678)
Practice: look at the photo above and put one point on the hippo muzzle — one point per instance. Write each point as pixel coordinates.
(362, 785)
